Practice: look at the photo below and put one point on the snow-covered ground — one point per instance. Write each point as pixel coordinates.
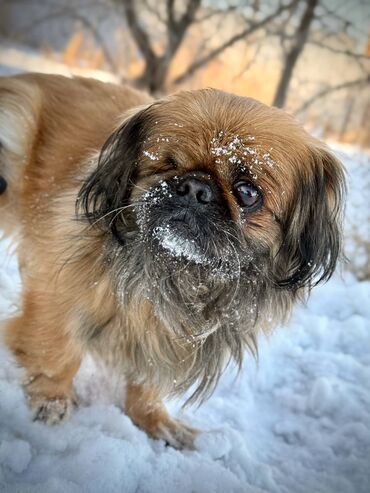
(299, 423)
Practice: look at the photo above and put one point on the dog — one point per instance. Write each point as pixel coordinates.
(160, 235)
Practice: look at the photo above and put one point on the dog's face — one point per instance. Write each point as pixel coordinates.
(217, 209)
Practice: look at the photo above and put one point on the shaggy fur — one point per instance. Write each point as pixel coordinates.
(115, 261)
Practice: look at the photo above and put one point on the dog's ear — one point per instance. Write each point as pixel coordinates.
(108, 188)
(312, 226)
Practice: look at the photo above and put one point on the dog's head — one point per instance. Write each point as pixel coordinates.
(219, 210)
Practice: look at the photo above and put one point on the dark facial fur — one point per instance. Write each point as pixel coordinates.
(211, 284)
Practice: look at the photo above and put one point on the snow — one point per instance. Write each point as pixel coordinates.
(234, 147)
(298, 422)
(179, 247)
(151, 155)
(16, 57)
(358, 212)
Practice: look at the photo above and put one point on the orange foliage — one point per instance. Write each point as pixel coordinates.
(79, 50)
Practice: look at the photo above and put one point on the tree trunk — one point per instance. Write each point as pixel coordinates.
(156, 67)
(154, 76)
(294, 53)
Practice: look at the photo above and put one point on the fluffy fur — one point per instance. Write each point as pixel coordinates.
(115, 262)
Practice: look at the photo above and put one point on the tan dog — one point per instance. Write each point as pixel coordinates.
(159, 235)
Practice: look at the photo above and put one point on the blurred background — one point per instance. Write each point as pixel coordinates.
(311, 57)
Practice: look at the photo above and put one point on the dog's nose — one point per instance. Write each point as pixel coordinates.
(195, 190)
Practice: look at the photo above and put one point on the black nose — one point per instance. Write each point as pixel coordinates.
(195, 190)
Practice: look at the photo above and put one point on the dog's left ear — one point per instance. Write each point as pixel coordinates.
(312, 227)
(109, 186)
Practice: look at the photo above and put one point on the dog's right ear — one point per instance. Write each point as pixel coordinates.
(109, 186)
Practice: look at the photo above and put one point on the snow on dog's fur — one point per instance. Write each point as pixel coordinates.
(161, 235)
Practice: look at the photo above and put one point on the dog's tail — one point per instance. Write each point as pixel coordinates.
(20, 103)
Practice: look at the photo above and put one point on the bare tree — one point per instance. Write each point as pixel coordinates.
(331, 34)
(157, 66)
(252, 26)
(299, 40)
(159, 29)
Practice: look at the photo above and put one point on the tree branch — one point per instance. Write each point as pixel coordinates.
(299, 40)
(154, 11)
(328, 90)
(139, 34)
(339, 51)
(234, 39)
(250, 62)
(325, 46)
(214, 13)
(176, 29)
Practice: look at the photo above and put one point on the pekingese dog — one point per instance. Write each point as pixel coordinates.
(162, 236)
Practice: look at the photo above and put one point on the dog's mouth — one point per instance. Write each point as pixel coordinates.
(178, 239)
(176, 234)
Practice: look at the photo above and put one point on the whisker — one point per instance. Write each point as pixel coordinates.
(119, 209)
(145, 190)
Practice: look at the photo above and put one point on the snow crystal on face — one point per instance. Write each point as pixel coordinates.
(166, 235)
(151, 155)
(154, 194)
(178, 246)
(176, 242)
(226, 149)
(150, 198)
(239, 151)
(155, 143)
(161, 138)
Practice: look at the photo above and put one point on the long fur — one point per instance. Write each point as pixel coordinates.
(98, 193)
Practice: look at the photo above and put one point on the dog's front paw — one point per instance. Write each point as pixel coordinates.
(51, 411)
(176, 433)
(145, 408)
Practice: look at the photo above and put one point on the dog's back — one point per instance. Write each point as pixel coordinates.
(48, 124)
(20, 104)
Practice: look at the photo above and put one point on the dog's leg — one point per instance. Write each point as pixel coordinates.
(147, 411)
(50, 357)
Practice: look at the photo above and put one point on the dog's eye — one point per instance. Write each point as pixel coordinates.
(248, 195)
(170, 162)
